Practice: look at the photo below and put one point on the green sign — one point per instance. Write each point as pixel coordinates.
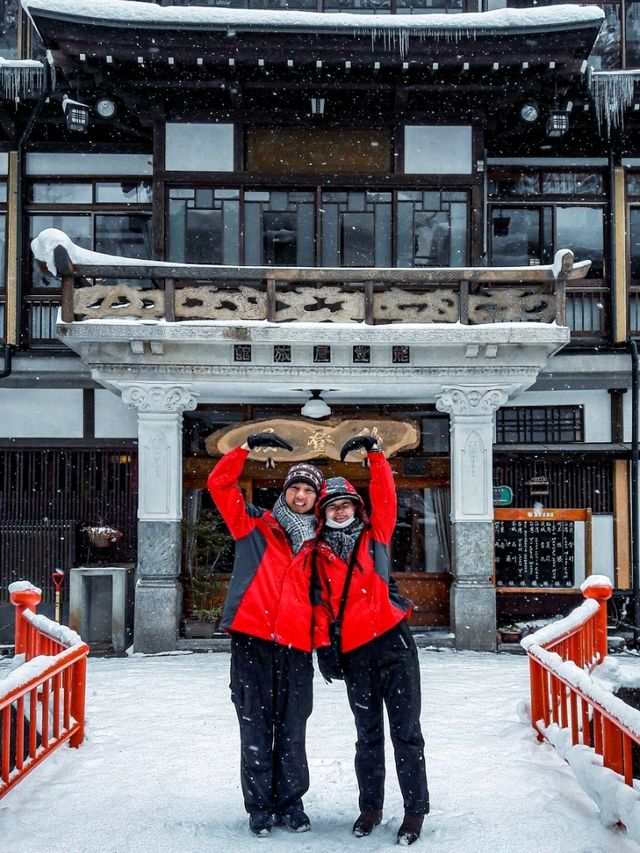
(502, 496)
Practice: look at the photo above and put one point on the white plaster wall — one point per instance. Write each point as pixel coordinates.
(602, 560)
(626, 408)
(113, 419)
(597, 408)
(40, 413)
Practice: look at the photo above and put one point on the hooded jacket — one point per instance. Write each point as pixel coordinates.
(373, 604)
(269, 593)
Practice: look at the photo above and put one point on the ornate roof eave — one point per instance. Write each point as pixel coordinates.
(129, 31)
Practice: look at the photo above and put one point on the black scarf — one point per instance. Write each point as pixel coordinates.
(342, 541)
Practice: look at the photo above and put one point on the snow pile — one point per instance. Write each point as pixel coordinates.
(617, 802)
(596, 580)
(23, 674)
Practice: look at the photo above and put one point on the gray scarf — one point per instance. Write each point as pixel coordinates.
(342, 541)
(299, 527)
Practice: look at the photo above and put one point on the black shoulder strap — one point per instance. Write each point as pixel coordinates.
(345, 590)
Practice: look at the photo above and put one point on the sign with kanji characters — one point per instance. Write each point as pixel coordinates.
(536, 548)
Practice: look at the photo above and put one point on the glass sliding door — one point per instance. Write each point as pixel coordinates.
(356, 229)
(204, 225)
(279, 228)
(431, 228)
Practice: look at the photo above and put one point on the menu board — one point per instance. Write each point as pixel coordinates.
(536, 552)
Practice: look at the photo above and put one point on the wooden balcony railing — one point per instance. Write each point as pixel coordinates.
(95, 287)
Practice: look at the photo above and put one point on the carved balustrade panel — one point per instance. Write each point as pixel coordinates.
(208, 302)
(320, 304)
(116, 301)
(515, 304)
(401, 306)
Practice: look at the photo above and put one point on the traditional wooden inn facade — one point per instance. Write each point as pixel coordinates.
(355, 211)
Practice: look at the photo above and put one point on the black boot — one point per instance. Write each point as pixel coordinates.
(410, 829)
(366, 822)
(260, 822)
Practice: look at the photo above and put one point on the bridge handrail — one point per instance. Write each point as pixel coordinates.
(562, 657)
(42, 700)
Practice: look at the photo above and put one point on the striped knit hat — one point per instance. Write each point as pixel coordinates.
(303, 472)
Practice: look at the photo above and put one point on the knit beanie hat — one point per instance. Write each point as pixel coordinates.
(337, 489)
(303, 472)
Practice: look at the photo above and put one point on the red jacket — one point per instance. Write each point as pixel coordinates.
(373, 606)
(269, 592)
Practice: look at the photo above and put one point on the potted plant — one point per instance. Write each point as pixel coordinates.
(203, 623)
(205, 541)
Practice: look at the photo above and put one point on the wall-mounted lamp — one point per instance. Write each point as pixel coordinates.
(106, 107)
(315, 407)
(76, 114)
(317, 107)
(557, 123)
(529, 113)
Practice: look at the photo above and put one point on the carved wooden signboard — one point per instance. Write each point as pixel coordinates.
(536, 549)
(314, 440)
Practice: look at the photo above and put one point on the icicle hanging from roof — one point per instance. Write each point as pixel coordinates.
(21, 77)
(613, 93)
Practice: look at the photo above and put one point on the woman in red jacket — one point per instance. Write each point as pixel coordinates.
(268, 614)
(379, 659)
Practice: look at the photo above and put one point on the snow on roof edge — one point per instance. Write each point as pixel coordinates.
(126, 12)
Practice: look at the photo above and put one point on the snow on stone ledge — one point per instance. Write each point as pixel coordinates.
(126, 12)
(47, 241)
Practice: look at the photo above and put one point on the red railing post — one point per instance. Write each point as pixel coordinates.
(23, 598)
(78, 680)
(602, 593)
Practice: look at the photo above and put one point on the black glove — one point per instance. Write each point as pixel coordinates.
(356, 443)
(267, 439)
(329, 664)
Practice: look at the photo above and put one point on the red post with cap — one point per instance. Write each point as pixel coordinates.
(601, 593)
(23, 599)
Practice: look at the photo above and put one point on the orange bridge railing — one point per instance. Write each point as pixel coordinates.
(589, 726)
(42, 699)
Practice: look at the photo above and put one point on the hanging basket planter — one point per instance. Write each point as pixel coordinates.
(102, 536)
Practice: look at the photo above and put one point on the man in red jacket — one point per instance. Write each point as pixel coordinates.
(377, 658)
(268, 614)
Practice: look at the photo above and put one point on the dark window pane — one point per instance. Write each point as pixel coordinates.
(128, 236)
(77, 228)
(9, 28)
(357, 240)
(134, 192)
(41, 193)
(606, 51)
(572, 183)
(634, 242)
(516, 236)
(581, 229)
(279, 238)
(633, 35)
(505, 185)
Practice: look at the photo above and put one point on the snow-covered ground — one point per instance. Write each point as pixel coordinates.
(158, 772)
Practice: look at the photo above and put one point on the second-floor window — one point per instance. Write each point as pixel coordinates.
(318, 226)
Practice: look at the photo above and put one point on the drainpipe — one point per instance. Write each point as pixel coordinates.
(8, 349)
(635, 543)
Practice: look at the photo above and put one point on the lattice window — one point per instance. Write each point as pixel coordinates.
(539, 425)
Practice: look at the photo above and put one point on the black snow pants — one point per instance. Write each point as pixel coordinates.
(386, 670)
(271, 688)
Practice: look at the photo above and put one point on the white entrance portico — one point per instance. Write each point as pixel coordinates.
(467, 367)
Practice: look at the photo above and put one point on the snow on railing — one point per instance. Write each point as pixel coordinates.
(42, 698)
(590, 728)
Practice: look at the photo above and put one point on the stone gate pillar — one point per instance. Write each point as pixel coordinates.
(473, 597)
(158, 596)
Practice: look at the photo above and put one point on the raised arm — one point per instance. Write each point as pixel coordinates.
(227, 495)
